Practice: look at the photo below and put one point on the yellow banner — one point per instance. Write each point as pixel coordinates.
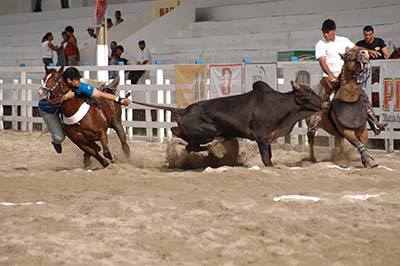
(190, 83)
(162, 7)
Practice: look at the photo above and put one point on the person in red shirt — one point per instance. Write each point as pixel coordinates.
(71, 50)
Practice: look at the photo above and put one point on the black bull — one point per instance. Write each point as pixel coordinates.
(262, 114)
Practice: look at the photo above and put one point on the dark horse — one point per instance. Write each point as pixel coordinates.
(93, 126)
(347, 115)
(396, 53)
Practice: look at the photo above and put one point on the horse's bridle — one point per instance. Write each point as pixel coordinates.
(363, 75)
(44, 91)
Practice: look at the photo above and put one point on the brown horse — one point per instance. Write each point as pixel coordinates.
(396, 53)
(347, 115)
(93, 125)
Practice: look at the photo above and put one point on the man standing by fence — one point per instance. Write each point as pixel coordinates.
(144, 58)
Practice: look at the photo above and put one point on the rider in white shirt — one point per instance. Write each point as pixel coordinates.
(327, 52)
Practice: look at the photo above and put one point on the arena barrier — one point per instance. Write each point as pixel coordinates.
(18, 98)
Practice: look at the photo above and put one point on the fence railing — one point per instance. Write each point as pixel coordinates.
(19, 100)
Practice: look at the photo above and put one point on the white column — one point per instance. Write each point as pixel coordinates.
(102, 54)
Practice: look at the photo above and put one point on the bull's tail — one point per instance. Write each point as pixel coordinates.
(174, 110)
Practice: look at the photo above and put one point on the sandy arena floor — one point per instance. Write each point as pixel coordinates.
(53, 212)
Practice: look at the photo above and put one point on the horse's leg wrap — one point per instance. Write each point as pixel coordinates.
(364, 153)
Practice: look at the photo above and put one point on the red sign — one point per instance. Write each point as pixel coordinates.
(391, 97)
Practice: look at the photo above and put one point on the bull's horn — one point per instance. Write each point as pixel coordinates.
(394, 47)
(295, 85)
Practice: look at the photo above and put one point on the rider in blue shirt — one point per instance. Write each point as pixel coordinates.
(72, 77)
(50, 114)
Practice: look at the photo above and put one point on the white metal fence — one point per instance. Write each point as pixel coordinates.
(18, 98)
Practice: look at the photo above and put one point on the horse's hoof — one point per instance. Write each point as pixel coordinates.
(108, 155)
(87, 162)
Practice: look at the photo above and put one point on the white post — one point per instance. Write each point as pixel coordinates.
(168, 113)
(122, 94)
(14, 107)
(1, 105)
(29, 106)
(130, 114)
(23, 102)
(160, 100)
(149, 129)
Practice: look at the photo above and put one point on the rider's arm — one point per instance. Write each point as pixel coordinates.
(108, 96)
(69, 95)
(325, 68)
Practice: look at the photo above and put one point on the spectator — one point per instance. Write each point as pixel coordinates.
(118, 18)
(91, 33)
(117, 60)
(61, 58)
(64, 3)
(71, 49)
(48, 48)
(38, 5)
(113, 47)
(143, 59)
(371, 42)
(109, 23)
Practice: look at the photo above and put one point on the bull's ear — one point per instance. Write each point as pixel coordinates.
(61, 70)
(47, 70)
(341, 56)
(295, 86)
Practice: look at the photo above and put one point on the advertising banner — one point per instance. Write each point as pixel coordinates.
(225, 80)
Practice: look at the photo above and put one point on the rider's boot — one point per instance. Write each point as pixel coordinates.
(374, 123)
(57, 147)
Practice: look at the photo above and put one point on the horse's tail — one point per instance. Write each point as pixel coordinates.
(174, 110)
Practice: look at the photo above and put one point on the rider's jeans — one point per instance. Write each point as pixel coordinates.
(54, 126)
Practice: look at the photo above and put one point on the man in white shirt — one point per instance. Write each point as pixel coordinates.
(327, 52)
(144, 58)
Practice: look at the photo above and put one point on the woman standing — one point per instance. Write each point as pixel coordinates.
(48, 48)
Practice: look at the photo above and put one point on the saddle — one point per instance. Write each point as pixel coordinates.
(351, 115)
